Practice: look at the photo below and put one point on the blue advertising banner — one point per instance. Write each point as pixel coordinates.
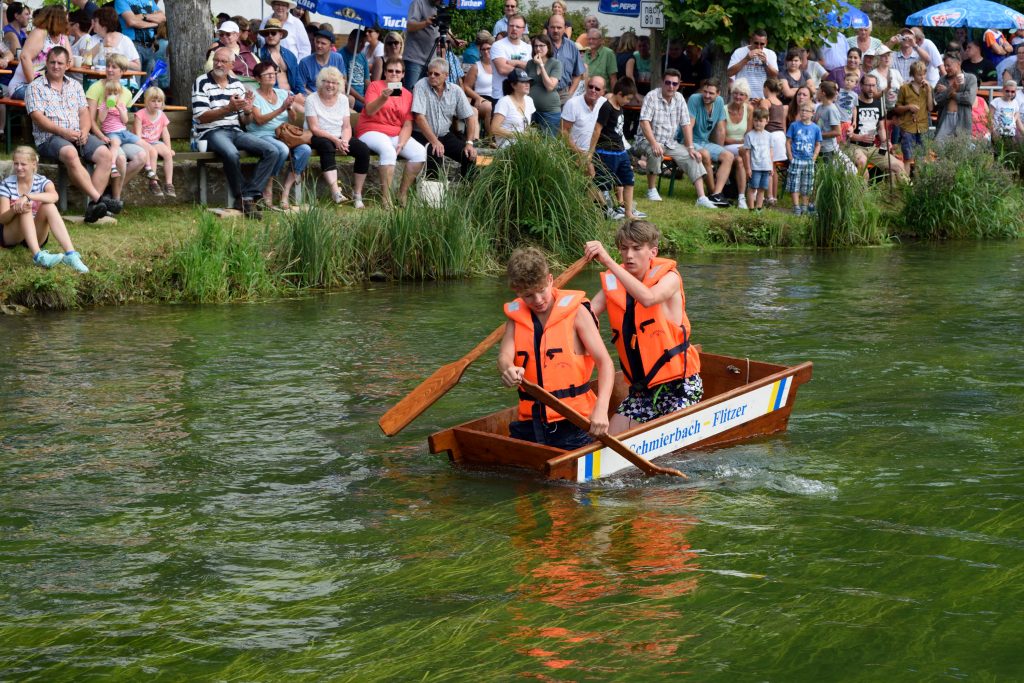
(469, 4)
(622, 8)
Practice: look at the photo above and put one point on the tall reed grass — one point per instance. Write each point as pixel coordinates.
(847, 210)
(534, 191)
(223, 260)
(963, 193)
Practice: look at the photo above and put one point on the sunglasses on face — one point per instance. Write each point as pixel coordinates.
(758, 44)
(391, 42)
(395, 71)
(672, 84)
(595, 88)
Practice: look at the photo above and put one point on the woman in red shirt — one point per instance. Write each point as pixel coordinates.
(385, 126)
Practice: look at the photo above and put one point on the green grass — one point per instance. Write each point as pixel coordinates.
(965, 193)
(847, 210)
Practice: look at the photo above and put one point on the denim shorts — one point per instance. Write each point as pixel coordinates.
(125, 136)
(759, 180)
(616, 169)
(714, 150)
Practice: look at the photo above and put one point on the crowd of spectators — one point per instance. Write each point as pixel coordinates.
(284, 87)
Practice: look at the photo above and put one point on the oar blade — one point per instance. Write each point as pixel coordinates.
(425, 395)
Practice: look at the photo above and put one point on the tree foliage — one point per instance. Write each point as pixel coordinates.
(727, 22)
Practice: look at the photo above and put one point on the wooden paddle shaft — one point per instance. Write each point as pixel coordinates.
(566, 411)
(400, 415)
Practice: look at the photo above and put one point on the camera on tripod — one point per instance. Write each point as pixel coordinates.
(442, 20)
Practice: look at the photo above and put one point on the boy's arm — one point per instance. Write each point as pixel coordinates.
(745, 155)
(511, 374)
(644, 295)
(598, 304)
(586, 330)
(789, 148)
(817, 150)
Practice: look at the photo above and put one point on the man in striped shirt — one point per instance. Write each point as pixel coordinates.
(220, 104)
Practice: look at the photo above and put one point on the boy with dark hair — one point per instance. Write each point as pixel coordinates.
(647, 310)
(613, 166)
(551, 339)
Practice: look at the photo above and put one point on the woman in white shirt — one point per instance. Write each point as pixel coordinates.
(513, 112)
(477, 81)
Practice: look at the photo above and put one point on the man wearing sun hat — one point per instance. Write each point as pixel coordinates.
(296, 39)
(285, 60)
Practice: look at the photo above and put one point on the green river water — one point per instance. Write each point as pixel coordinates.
(202, 493)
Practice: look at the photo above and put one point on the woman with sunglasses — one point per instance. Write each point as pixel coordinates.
(385, 126)
(394, 47)
(544, 72)
(271, 107)
(477, 81)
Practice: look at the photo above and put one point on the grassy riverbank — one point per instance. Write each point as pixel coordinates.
(184, 254)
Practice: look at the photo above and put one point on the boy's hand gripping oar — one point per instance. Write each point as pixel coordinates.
(444, 378)
(548, 399)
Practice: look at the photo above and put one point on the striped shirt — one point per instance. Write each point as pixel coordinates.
(61, 107)
(9, 186)
(207, 95)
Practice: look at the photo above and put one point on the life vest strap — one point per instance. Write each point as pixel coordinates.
(570, 392)
(665, 357)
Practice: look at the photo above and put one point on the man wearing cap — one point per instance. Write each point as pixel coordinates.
(139, 22)
(323, 56)
(754, 62)
(273, 51)
(568, 54)
(227, 37)
(220, 105)
(507, 54)
(908, 53)
(435, 103)
(295, 39)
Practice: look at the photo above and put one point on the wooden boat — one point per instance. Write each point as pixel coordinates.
(742, 399)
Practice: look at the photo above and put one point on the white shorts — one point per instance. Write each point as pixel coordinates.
(778, 145)
(384, 146)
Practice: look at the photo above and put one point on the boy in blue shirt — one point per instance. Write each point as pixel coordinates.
(803, 144)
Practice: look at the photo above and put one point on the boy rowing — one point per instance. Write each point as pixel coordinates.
(552, 339)
(647, 310)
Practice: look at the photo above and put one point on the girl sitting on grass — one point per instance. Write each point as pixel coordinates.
(28, 213)
(151, 125)
(108, 107)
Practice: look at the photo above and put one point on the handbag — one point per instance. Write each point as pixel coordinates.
(292, 135)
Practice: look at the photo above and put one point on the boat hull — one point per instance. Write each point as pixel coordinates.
(742, 399)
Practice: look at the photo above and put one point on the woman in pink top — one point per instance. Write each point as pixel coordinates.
(51, 28)
(385, 126)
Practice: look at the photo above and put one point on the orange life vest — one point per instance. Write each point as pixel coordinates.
(548, 354)
(652, 349)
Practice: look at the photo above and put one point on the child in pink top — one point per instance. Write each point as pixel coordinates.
(109, 109)
(151, 125)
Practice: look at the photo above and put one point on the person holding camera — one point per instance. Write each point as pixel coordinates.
(754, 62)
(220, 105)
(422, 31)
(385, 126)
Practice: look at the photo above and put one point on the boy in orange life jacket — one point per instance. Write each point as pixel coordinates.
(647, 310)
(552, 339)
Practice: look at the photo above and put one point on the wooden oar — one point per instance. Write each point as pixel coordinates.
(444, 378)
(548, 399)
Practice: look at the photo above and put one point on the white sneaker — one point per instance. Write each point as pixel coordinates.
(741, 202)
(616, 214)
(652, 195)
(357, 202)
(706, 203)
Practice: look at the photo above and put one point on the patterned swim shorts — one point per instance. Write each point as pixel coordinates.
(643, 405)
